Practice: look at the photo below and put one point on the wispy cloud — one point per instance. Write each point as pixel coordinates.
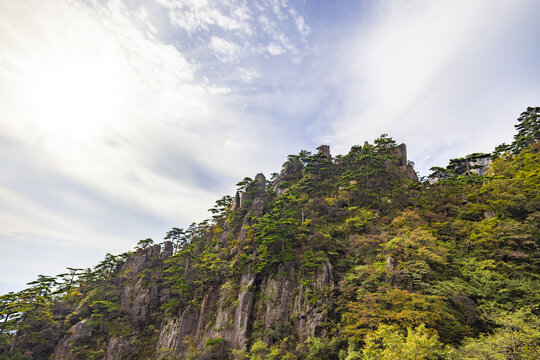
(120, 119)
(193, 15)
(274, 49)
(445, 77)
(84, 102)
(301, 25)
(226, 51)
(110, 134)
(240, 22)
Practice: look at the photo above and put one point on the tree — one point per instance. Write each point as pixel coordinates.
(25, 309)
(389, 343)
(500, 149)
(244, 184)
(220, 208)
(528, 129)
(517, 337)
(68, 280)
(384, 142)
(178, 237)
(401, 308)
(105, 268)
(44, 285)
(7, 309)
(145, 243)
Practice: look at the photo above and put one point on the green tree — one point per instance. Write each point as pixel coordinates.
(389, 343)
(8, 309)
(69, 280)
(528, 128)
(178, 237)
(516, 337)
(244, 184)
(220, 207)
(384, 142)
(145, 243)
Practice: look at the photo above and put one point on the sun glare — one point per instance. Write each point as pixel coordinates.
(74, 101)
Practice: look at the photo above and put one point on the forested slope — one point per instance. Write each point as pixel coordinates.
(346, 257)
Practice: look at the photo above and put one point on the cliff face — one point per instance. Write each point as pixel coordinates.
(228, 311)
(477, 164)
(137, 290)
(273, 301)
(285, 300)
(334, 259)
(231, 309)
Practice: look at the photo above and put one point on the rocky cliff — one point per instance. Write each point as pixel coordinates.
(335, 258)
(228, 311)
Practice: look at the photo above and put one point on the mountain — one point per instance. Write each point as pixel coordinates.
(345, 257)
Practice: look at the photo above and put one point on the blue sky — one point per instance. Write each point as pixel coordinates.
(121, 119)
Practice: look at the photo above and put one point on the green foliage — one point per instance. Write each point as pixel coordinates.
(389, 343)
(244, 184)
(219, 209)
(378, 267)
(399, 307)
(311, 261)
(145, 243)
(276, 232)
(359, 220)
(528, 129)
(178, 237)
(214, 342)
(385, 142)
(517, 336)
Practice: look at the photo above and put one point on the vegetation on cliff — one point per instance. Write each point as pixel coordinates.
(335, 258)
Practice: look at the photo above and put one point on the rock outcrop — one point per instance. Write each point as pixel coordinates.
(477, 163)
(325, 150)
(234, 305)
(139, 298)
(78, 334)
(289, 170)
(276, 299)
(226, 311)
(480, 165)
(406, 169)
(258, 196)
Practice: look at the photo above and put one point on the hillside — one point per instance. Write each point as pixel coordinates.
(345, 257)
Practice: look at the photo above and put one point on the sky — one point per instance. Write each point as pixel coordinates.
(120, 119)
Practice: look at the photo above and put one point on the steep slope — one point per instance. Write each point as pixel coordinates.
(346, 257)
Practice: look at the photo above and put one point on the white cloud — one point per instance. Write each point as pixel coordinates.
(102, 82)
(278, 6)
(275, 49)
(193, 15)
(300, 23)
(430, 73)
(225, 50)
(247, 75)
(114, 114)
(47, 224)
(303, 29)
(280, 42)
(267, 25)
(234, 25)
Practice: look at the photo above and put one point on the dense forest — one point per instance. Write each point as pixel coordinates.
(346, 257)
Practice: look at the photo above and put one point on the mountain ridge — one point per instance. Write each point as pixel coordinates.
(346, 257)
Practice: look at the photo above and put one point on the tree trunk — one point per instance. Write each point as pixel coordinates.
(14, 341)
(4, 324)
